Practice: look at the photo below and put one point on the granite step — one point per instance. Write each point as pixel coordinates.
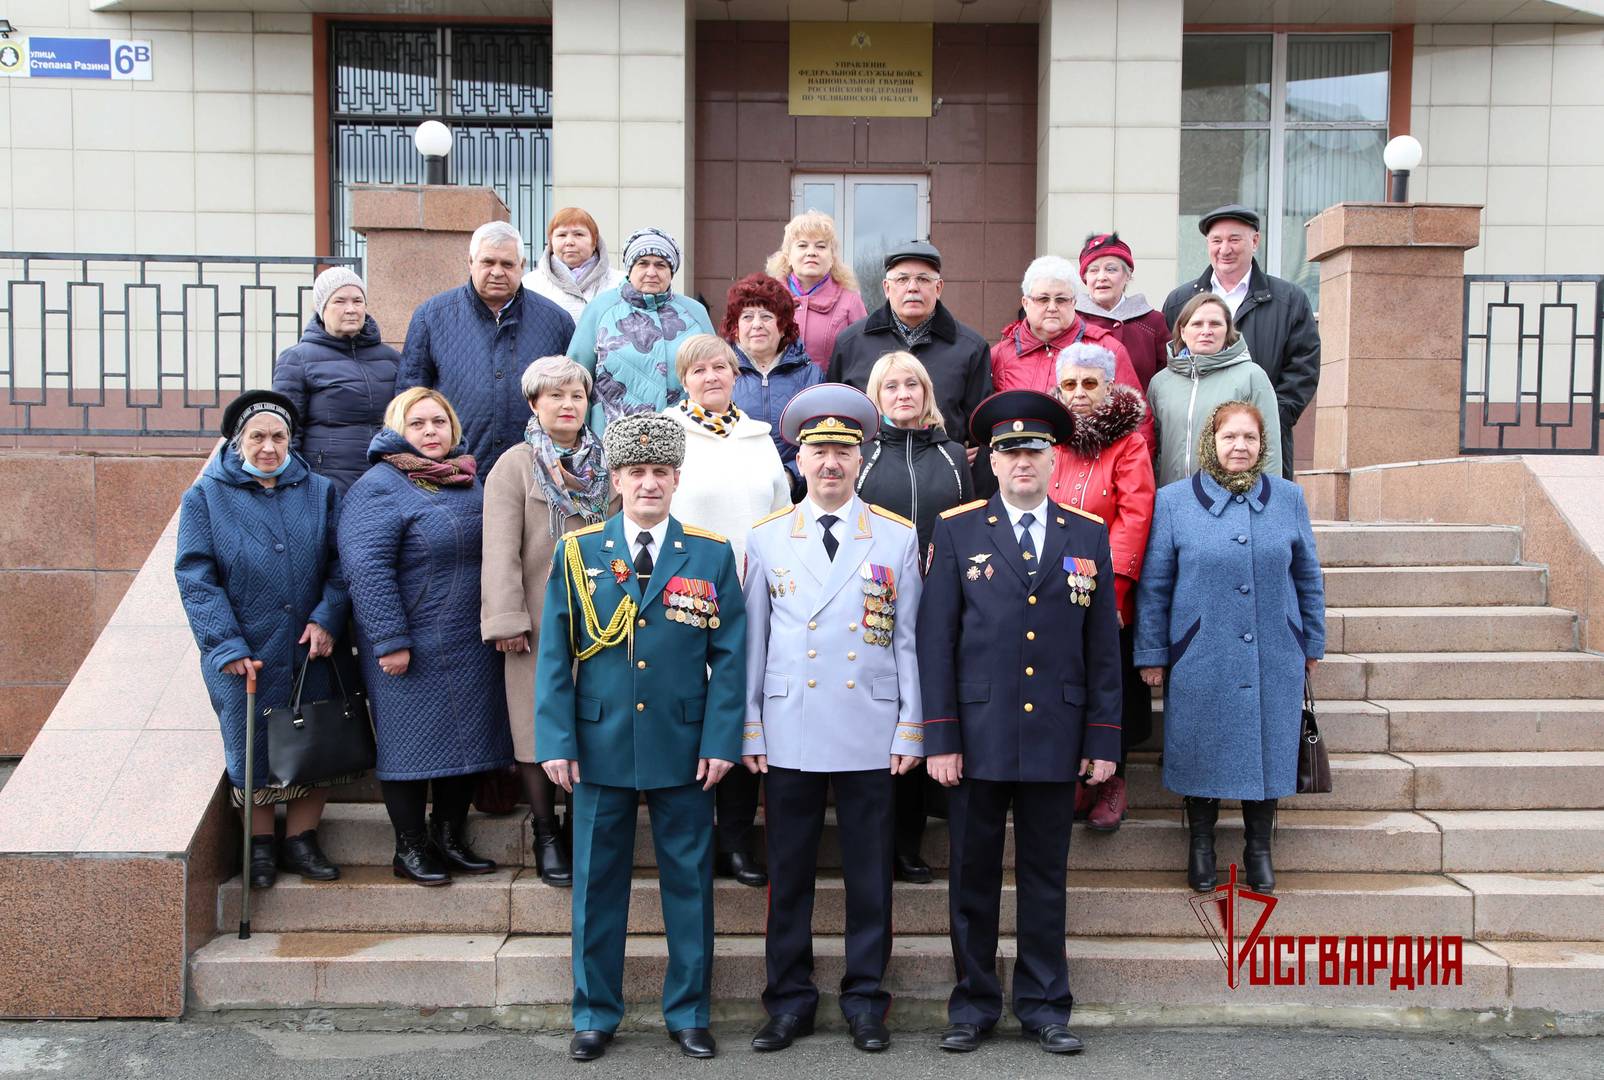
(1508, 780)
(1141, 974)
(1491, 725)
(1450, 629)
(1435, 586)
(1439, 675)
(1537, 907)
(1520, 841)
(371, 899)
(1358, 782)
(1342, 543)
(1348, 726)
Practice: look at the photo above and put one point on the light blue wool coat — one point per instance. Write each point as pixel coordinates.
(1232, 602)
(627, 341)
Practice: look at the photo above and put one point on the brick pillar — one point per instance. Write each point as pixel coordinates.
(1392, 316)
(417, 244)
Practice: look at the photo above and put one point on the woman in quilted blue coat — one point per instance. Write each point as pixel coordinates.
(259, 579)
(1231, 602)
(410, 542)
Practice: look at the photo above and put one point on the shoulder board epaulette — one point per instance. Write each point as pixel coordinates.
(964, 509)
(705, 534)
(1083, 513)
(889, 516)
(771, 517)
(586, 531)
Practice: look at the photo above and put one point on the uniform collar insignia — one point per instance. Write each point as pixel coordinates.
(978, 559)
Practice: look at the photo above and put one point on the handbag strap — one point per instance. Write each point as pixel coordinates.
(300, 682)
(1308, 694)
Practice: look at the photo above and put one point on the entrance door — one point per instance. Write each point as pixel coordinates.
(872, 213)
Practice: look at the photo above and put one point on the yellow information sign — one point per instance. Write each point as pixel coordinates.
(860, 69)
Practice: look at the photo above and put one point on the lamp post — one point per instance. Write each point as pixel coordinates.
(433, 140)
(1400, 156)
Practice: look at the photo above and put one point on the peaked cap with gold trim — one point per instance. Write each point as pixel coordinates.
(829, 413)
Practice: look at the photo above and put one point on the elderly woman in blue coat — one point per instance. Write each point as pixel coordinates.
(410, 542)
(1232, 605)
(259, 579)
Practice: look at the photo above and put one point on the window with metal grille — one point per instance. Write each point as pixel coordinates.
(490, 84)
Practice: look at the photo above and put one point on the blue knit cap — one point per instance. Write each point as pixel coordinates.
(651, 241)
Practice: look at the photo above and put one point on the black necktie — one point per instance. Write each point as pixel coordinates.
(1026, 544)
(831, 544)
(643, 561)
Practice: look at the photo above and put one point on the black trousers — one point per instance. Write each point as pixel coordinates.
(918, 798)
(1136, 714)
(735, 805)
(977, 823)
(794, 819)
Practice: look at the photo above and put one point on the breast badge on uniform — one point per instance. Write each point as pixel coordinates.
(1082, 578)
(591, 573)
(879, 603)
(973, 573)
(692, 601)
(620, 570)
(777, 587)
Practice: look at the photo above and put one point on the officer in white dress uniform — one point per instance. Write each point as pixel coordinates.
(832, 589)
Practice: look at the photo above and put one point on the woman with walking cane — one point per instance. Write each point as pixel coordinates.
(260, 582)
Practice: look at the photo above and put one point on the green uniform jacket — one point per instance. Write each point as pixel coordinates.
(642, 720)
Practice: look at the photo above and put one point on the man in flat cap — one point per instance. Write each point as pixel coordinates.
(914, 319)
(642, 680)
(1020, 678)
(832, 588)
(1272, 313)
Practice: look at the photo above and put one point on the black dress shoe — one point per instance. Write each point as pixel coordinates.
(450, 839)
(962, 1038)
(913, 869)
(695, 1042)
(551, 854)
(264, 861)
(589, 1045)
(869, 1032)
(780, 1030)
(416, 860)
(741, 866)
(1055, 1038)
(302, 855)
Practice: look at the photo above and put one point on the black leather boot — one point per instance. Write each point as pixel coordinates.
(451, 841)
(415, 858)
(1258, 821)
(551, 854)
(303, 856)
(1201, 814)
(264, 861)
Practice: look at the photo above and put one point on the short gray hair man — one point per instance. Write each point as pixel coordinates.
(496, 234)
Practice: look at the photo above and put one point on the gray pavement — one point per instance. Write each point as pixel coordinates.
(209, 1051)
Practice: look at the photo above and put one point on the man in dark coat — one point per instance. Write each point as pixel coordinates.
(1019, 676)
(473, 343)
(914, 319)
(1272, 313)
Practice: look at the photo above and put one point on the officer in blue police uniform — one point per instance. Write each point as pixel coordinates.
(832, 590)
(642, 676)
(1020, 672)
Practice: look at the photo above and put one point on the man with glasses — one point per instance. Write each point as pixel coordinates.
(1272, 313)
(913, 318)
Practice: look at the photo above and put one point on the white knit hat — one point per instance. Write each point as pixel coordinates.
(332, 281)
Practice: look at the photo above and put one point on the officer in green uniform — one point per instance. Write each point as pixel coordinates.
(642, 676)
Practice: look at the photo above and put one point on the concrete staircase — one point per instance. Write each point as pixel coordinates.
(1467, 738)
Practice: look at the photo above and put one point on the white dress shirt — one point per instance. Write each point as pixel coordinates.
(1038, 527)
(632, 533)
(815, 511)
(1233, 297)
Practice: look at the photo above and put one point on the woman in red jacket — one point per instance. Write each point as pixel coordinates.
(1106, 266)
(1106, 469)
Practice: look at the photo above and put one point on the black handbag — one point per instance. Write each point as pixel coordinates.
(1314, 763)
(309, 741)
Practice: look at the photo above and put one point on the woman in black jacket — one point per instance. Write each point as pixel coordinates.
(912, 468)
(340, 376)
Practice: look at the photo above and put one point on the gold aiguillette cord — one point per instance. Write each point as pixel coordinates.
(620, 628)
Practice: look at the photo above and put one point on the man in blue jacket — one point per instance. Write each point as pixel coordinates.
(642, 677)
(1019, 675)
(472, 343)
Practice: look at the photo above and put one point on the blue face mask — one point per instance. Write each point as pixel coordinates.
(259, 474)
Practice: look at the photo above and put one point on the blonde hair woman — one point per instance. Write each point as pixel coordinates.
(809, 262)
(912, 468)
(410, 537)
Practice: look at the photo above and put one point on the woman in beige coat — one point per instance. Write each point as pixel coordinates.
(554, 481)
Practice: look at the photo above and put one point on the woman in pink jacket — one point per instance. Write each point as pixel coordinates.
(826, 291)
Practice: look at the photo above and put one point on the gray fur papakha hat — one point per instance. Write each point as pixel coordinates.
(644, 439)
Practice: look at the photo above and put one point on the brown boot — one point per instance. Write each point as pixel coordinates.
(1110, 808)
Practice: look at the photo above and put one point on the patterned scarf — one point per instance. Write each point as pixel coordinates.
(719, 424)
(584, 463)
(431, 476)
(912, 336)
(1238, 483)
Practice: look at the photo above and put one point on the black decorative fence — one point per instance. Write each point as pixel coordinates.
(1531, 364)
(135, 347)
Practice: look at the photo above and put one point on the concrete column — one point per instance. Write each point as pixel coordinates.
(622, 127)
(1392, 316)
(1109, 130)
(417, 244)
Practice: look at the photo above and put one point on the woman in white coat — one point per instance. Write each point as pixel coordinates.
(573, 268)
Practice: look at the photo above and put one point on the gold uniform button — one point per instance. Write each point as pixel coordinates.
(812, 653)
(1030, 671)
(853, 627)
(1030, 599)
(813, 682)
(640, 706)
(1029, 707)
(640, 622)
(813, 626)
(852, 656)
(1030, 635)
(641, 664)
(850, 684)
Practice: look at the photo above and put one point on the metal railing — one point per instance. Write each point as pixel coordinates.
(1530, 364)
(143, 345)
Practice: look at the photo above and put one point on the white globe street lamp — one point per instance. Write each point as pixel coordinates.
(1401, 155)
(433, 140)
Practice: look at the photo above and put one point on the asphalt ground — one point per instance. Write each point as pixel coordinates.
(216, 1051)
